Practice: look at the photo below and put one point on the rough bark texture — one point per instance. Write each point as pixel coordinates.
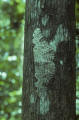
(49, 60)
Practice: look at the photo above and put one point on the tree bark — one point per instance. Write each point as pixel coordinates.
(49, 60)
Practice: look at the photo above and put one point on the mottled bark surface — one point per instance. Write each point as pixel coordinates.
(49, 60)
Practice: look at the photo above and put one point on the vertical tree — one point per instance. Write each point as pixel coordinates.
(49, 60)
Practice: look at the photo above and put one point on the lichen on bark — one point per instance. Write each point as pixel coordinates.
(44, 55)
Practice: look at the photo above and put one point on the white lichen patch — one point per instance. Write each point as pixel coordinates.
(39, 4)
(61, 62)
(61, 35)
(44, 103)
(44, 54)
(45, 19)
(32, 99)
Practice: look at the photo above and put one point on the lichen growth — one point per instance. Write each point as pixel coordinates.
(44, 54)
(61, 62)
(46, 33)
(45, 19)
(61, 35)
(44, 103)
(32, 99)
(39, 4)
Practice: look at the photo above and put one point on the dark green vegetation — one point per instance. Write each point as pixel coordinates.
(11, 40)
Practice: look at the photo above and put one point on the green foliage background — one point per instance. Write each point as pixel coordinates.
(11, 45)
(11, 54)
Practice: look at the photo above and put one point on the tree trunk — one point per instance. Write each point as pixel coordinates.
(49, 60)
